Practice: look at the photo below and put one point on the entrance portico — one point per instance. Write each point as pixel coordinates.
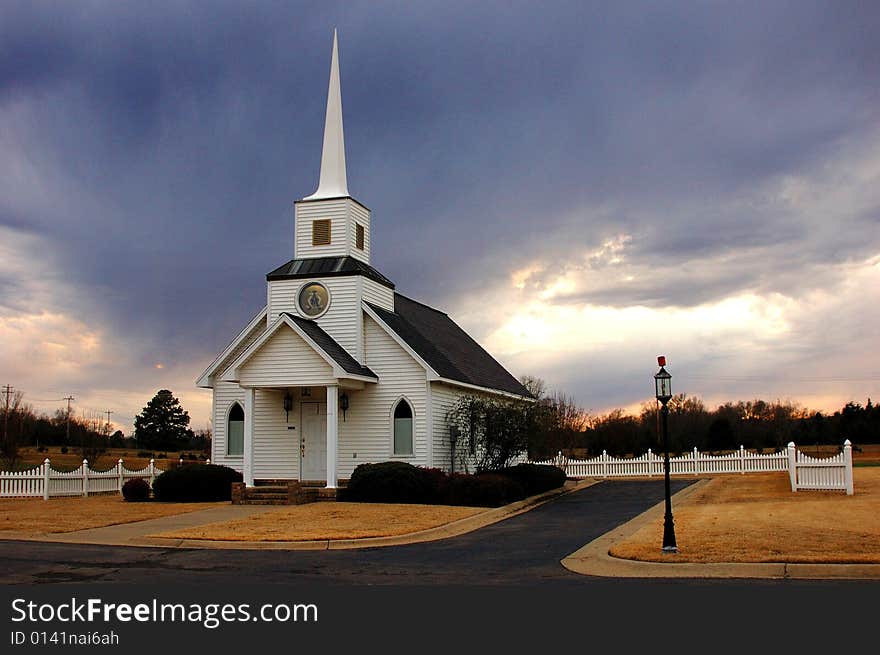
(311, 423)
(295, 354)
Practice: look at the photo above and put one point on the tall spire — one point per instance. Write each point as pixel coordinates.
(333, 183)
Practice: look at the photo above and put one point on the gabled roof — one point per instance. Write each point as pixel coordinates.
(445, 347)
(327, 267)
(343, 364)
(329, 345)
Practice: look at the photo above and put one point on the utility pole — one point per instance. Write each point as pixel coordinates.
(68, 399)
(107, 429)
(8, 391)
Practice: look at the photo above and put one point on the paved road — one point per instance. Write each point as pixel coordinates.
(524, 549)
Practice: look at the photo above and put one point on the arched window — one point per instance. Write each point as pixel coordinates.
(403, 428)
(235, 431)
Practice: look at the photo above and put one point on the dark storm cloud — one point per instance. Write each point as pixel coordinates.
(167, 143)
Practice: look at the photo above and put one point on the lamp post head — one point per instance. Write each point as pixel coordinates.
(662, 383)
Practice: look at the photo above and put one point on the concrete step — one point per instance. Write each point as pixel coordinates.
(253, 501)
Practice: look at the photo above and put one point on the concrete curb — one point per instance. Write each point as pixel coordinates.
(593, 559)
(137, 533)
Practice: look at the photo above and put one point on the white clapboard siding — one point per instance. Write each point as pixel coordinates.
(359, 215)
(341, 321)
(225, 393)
(443, 398)
(285, 360)
(337, 212)
(365, 435)
(378, 294)
(276, 449)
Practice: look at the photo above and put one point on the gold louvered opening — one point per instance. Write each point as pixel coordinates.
(359, 236)
(321, 233)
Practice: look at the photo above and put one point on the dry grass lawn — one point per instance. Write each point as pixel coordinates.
(70, 514)
(756, 518)
(320, 521)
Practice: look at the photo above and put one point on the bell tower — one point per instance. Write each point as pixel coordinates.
(330, 223)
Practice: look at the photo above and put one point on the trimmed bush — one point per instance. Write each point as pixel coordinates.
(391, 482)
(484, 490)
(194, 483)
(63, 450)
(136, 490)
(535, 478)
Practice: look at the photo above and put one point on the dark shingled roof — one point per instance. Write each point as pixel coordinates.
(327, 267)
(446, 347)
(339, 354)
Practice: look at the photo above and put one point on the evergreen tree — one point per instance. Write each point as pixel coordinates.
(163, 424)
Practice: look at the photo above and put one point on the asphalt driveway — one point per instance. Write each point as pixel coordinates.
(524, 549)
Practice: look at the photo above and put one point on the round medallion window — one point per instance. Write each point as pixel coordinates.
(313, 299)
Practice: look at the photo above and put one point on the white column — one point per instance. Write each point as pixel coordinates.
(792, 465)
(429, 423)
(248, 473)
(332, 435)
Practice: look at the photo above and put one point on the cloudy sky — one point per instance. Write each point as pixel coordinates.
(583, 186)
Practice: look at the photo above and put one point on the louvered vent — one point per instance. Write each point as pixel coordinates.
(321, 233)
(359, 236)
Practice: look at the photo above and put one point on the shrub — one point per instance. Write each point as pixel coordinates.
(196, 483)
(63, 450)
(162, 456)
(535, 478)
(136, 490)
(391, 482)
(484, 490)
(146, 453)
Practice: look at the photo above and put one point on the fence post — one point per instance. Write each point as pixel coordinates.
(847, 471)
(742, 459)
(119, 472)
(152, 471)
(46, 466)
(604, 463)
(85, 468)
(792, 466)
(208, 461)
(650, 463)
(696, 461)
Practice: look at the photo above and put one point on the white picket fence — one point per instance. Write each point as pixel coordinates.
(806, 472)
(45, 481)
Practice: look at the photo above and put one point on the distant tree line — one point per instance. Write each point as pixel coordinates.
(560, 425)
(163, 423)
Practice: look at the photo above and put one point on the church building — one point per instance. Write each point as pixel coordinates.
(339, 369)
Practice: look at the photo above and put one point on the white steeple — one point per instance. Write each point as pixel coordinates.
(333, 182)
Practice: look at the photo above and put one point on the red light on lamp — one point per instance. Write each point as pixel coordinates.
(661, 361)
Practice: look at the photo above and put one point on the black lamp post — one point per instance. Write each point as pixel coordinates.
(663, 391)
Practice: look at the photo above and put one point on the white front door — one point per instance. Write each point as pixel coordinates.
(313, 447)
